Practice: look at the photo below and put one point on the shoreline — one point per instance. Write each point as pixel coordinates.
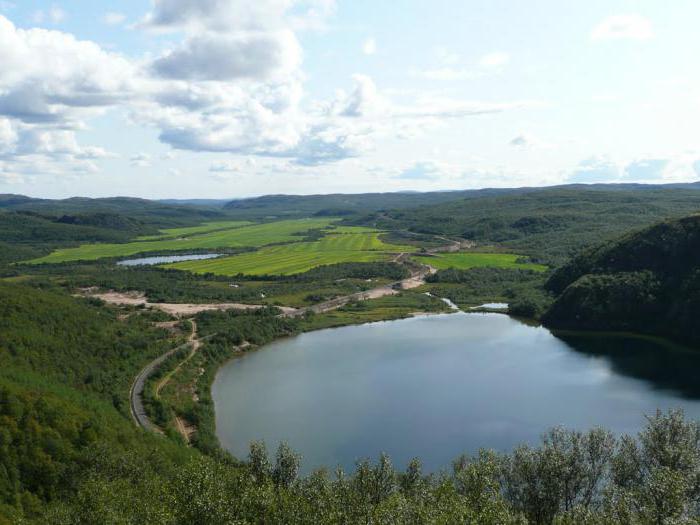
(666, 343)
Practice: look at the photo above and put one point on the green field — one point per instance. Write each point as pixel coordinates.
(170, 233)
(466, 260)
(255, 235)
(363, 246)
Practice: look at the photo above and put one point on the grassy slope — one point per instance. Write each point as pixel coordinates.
(466, 260)
(194, 230)
(256, 235)
(365, 246)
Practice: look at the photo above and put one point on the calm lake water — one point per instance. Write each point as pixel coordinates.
(164, 259)
(438, 386)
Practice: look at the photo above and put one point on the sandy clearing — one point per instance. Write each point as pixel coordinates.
(177, 309)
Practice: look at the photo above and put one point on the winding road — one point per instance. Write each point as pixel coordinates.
(416, 279)
(138, 412)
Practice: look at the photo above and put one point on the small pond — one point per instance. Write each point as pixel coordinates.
(165, 259)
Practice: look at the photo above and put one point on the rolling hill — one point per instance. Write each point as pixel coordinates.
(647, 282)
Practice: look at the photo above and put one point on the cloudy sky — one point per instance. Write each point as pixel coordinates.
(230, 98)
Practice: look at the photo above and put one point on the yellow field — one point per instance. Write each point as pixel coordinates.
(354, 245)
(235, 237)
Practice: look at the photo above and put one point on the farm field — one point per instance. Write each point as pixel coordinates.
(194, 230)
(363, 246)
(466, 260)
(255, 235)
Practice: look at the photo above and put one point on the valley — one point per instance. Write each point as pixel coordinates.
(211, 355)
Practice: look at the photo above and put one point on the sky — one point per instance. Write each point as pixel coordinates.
(233, 98)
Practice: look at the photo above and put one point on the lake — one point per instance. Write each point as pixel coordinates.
(165, 259)
(438, 386)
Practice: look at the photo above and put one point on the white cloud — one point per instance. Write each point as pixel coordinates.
(113, 18)
(528, 141)
(50, 76)
(494, 60)
(228, 15)
(594, 170)
(449, 69)
(369, 46)
(626, 26)
(645, 170)
(53, 15)
(231, 166)
(659, 169)
(229, 57)
(233, 85)
(364, 100)
(140, 160)
(426, 170)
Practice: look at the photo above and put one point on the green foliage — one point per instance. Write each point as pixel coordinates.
(66, 368)
(26, 228)
(74, 342)
(549, 224)
(325, 205)
(353, 270)
(521, 289)
(645, 282)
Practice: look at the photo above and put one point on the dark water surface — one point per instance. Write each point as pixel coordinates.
(438, 386)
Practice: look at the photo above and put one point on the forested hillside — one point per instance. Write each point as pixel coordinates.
(648, 282)
(548, 224)
(66, 370)
(30, 227)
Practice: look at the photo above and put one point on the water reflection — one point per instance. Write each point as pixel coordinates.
(663, 365)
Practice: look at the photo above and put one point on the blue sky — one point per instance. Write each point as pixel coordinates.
(230, 98)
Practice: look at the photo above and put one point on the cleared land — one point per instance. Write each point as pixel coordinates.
(352, 245)
(246, 236)
(466, 260)
(194, 230)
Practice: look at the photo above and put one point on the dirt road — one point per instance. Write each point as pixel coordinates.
(416, 279)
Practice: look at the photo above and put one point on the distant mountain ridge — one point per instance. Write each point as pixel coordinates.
(361, 201)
